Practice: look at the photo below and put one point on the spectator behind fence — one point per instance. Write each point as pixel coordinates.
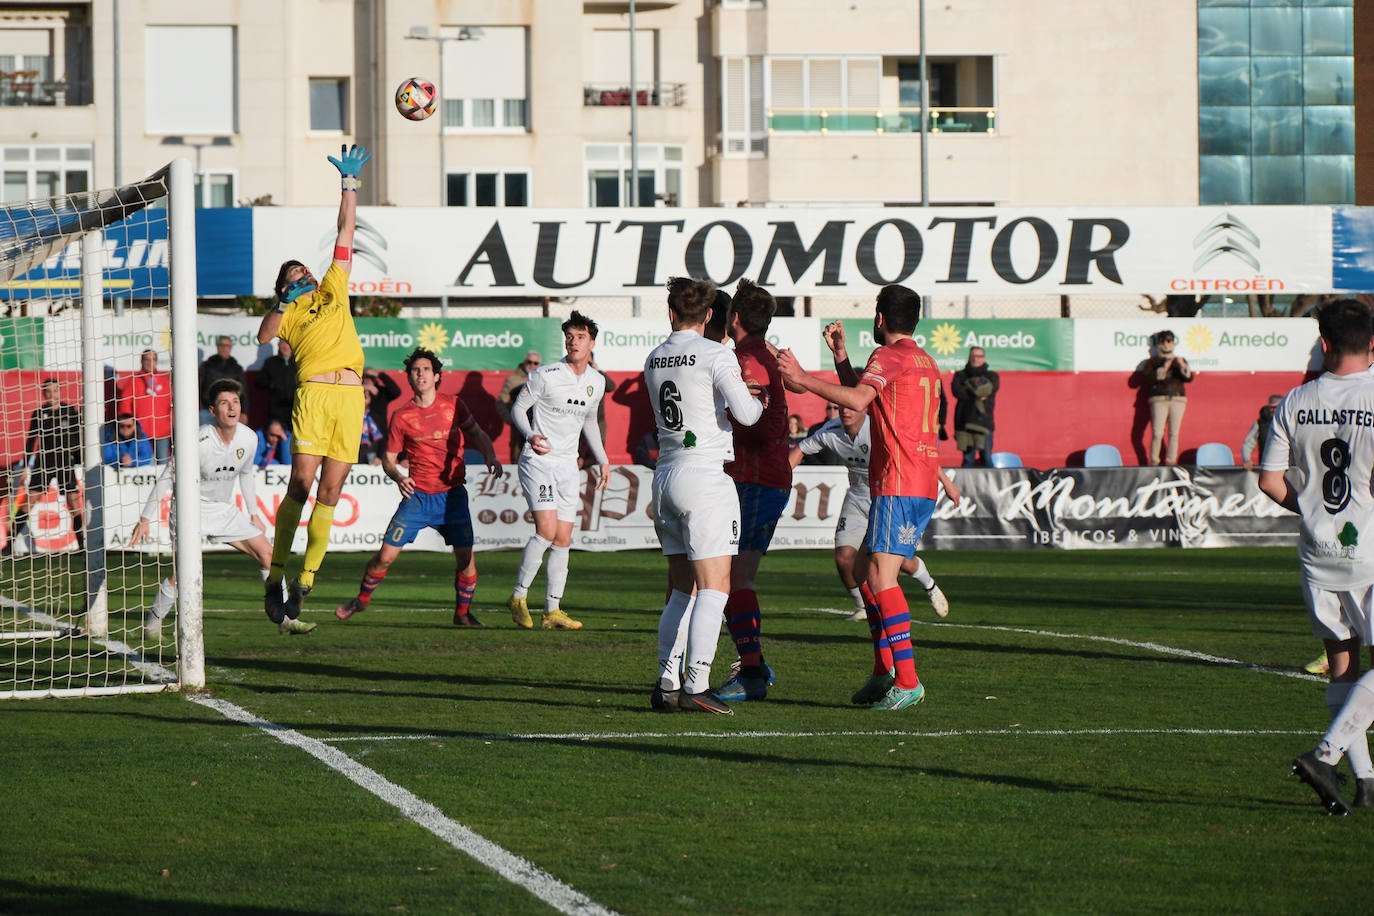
(1163, 376)
(125, 445)
(1258, 433)
(54, 449)
(380, 390)
(372, 442)
(278, 378)
(506, 398)
(274, 445)
(147, 396)
(975, 397)
(221, 365)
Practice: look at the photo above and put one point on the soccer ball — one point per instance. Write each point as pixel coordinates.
(415, 98)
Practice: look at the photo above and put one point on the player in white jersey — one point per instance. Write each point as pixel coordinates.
(846, 437)
(564, 397)
(1324, 431)
(691, 382)
(225, 449)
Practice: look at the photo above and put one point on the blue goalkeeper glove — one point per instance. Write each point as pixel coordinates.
(350, 165)
(296, 290)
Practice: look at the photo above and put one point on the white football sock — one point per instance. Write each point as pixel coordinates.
(263, 573)
(1358, 752)
(858, 598)
(1351, 723)
(166, 597)
(703, 633)
(922, 575)
(672, 639)
(555, 577)
(530, 559)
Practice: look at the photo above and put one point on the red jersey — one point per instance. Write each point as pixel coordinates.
(761, 449)
(432, 438)
(148, 396)
(905, 460)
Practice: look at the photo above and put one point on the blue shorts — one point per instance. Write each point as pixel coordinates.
(760, 508)
(446, 513)
(896, 523)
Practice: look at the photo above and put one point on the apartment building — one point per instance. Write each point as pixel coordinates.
(738, 102)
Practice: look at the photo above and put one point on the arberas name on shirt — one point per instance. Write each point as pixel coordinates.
(1320, 416)
(668, 362)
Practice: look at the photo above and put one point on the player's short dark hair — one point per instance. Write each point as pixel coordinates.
(280, 286)
(219, 387)
(690, 297)
(754, 305)
(1347, 326)
(125, 415)
(421, 353)
(900, 308)
(579, 320)
(720, 314)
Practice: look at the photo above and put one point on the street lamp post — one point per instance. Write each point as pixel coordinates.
(198, 146)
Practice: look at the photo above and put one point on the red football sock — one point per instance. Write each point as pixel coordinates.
(369, 585)
(464, 587)
(882, 652)
(897, 628)
(743, 620)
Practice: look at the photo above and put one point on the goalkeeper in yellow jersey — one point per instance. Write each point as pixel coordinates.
(327, 417)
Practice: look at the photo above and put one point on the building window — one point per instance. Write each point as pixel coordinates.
(489, 189)
(741, 106)
(1276, 115)
(608, 170)
(486, 79)
(177, 104)
(44, 171)
(215, 188)
(329, 104)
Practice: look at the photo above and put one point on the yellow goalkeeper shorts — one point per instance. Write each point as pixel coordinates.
(328, 420)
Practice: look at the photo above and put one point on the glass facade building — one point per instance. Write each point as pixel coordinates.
(1276, 101)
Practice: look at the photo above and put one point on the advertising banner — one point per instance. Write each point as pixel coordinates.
(1073, 508)
(1034, 344)
(622, 344)
(1352, 249)
(1067, 508)
(517, 251)
(21, 343)
(1215, 344)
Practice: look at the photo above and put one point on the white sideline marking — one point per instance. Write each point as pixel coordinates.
(513, 868)
(1152, 646)
(151, 670)
(945, 733)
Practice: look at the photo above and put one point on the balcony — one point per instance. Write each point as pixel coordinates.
(657, 95)
(882, 120)
(26, 87)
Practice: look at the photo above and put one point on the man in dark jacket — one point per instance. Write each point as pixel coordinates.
(975, 396)
(221, 365)
(278, 378)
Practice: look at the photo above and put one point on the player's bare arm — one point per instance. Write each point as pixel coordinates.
(856, 397)
(834, 339)
(951, 488)
(482, 442)
(1276, 486)
(140, 532)
(392, 470)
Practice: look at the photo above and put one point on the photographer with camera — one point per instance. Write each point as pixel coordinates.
(975, 395)
(1163, 375)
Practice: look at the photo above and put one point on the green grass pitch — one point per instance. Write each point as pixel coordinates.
(1063, 761)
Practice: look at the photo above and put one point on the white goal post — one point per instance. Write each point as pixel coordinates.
(88, 413)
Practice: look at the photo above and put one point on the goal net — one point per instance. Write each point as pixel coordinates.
(97, 329)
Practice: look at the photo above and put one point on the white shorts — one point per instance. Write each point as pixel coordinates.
(1340, 615)
(221, 523)
(696, 511)
(853, 521)
(550, 485)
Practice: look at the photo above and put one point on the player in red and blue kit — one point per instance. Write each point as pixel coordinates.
(430, 430)
(900, 389)
(763, 481)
